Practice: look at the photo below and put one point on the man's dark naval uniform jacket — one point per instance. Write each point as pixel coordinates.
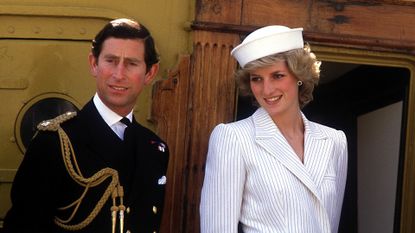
(43, 185)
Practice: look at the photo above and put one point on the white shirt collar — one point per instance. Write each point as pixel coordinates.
(109, 116)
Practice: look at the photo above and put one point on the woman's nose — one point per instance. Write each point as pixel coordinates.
(268, 88)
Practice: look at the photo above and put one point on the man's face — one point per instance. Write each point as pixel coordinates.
(120, 73)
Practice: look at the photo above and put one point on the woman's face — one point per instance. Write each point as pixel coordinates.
(275, 89)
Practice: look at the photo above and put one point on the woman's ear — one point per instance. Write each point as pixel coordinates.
(151, 74)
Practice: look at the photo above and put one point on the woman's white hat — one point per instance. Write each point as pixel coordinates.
(267, 41)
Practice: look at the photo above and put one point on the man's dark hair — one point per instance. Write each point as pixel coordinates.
(127, 29)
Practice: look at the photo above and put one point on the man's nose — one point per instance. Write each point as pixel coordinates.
(119, 71)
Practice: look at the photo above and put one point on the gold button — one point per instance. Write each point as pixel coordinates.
(154, 210)
(127, 210)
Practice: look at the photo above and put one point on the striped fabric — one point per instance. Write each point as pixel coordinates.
(253, 176)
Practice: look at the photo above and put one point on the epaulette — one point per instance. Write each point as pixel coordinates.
(54, 124)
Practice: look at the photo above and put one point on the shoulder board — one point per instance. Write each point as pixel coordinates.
(54, 124)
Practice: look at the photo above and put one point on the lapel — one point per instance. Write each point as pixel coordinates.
(269, 137)
(318, 149)
(99, 139)
(97, 136)
(141, 151)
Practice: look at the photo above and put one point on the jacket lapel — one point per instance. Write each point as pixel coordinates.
(90, 135)
(100, 140)
(141, 166)
(271, 139)
(99, 137)
(317, 151)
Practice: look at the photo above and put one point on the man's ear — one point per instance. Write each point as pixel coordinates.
(151, 74)
(93, 63)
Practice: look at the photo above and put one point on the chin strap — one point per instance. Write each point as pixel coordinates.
(114, 189)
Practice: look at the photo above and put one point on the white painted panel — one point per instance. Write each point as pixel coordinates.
(378, 140)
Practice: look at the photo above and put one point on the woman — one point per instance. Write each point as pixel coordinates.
(275, 171)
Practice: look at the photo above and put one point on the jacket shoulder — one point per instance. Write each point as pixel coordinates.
(329, 131)
(55, 123)
(243, 129)
(148, 132)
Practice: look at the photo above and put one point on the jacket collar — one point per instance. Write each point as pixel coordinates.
(317, 149)
(265, 126)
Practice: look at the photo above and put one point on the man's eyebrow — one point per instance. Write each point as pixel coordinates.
(110, 56)
(129, 59)
(132, 59)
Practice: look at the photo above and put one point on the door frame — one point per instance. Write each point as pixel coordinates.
(388, 59)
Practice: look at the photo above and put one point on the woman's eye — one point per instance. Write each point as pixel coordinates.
(255, 79)
(278, 76)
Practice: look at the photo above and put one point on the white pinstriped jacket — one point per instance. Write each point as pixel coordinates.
(254, 176)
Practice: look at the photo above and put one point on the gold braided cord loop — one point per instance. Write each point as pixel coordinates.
(71, 164)
(54, 124)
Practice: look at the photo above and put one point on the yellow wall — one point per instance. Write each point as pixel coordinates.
(43, 53)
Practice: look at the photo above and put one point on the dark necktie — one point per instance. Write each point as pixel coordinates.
(126, 122)
(127, 163)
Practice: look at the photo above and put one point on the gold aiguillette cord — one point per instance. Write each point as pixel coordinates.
(118, 192)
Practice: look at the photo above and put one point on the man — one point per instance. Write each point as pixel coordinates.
(82, 172)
